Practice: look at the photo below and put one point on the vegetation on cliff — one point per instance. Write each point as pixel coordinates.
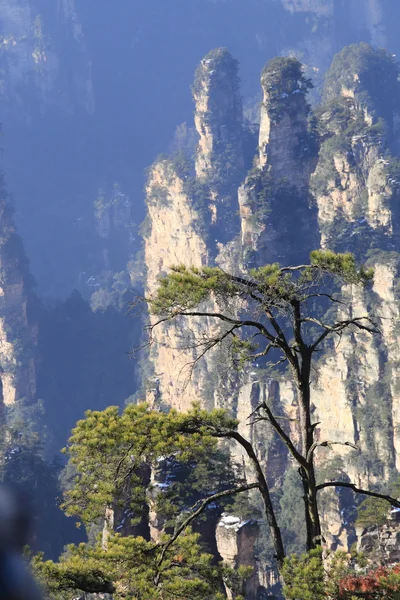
(283, 78)
(368, 74)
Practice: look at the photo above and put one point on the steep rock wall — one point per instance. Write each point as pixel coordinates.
(236, 541)
(173, 238)
(274, 198)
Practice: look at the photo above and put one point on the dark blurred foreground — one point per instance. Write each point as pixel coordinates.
(16, 582)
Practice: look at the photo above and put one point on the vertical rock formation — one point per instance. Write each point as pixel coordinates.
(283, 138)
(192, 220)
(275, 198)
(219, 164)
(236, 540)
(218, 113)
(175, 235)
(17, 333)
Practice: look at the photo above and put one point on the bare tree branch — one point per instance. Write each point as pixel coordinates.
(283, 435)
(340, 326)
(221, 317)
(264, 352)
(196, 513)
(358, 490)
(324, 295)
(326, 444)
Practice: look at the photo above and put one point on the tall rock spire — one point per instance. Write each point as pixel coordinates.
(283, 125)
(275, 198)
(218, 114)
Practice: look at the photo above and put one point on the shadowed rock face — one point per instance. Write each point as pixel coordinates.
(283, 125)
(31, 58)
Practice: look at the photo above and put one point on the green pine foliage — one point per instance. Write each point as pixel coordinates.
(132, 568)
(284, 78)
(187, 288)
(110, 457)
(303, 576)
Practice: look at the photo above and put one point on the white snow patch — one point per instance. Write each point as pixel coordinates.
(232, 522)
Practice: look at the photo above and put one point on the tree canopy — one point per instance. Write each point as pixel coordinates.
(123, 465)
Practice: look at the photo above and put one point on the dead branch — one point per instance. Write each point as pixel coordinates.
(196, 513)
(326, 444)
(283, 435)
(340, 326)
(357, 490)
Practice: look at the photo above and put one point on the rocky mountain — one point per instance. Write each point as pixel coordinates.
(324, 177)
(90, 93)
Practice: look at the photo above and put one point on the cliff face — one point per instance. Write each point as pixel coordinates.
(17, 332)
(355, 188)
(381, 544)
(236, 542)
(327, 178)
(174, 237)
(192, 219)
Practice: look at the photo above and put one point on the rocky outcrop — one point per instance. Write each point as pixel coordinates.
(355, 182)
(381, 544)
(283, 137)
(275, 197)
(175, 236)
(219, 163)
(236, 540)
